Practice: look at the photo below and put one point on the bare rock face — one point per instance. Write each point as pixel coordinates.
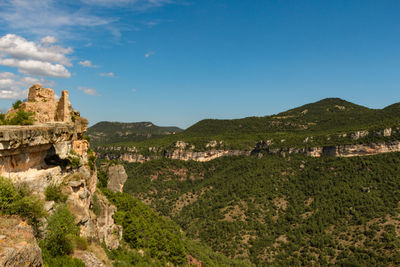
(106, 229)
(116, 177)
(88, 258)
(18, 245)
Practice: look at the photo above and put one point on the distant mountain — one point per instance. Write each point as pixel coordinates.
(330, 121)
(106, 132)
(326, 114)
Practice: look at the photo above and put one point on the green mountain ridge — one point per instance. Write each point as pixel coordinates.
(111, 132)
(321, 122)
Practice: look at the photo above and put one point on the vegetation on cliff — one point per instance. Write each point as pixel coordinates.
(153, 239)
(281, 211)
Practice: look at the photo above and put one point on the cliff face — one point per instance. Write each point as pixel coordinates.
(259, 149)
(53, 151)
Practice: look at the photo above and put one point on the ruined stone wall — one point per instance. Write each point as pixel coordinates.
(41, 102)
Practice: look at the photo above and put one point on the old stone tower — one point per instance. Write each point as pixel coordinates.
(46, 109)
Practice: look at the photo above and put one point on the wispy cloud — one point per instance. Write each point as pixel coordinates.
(133, 4)
(149, 54)
(88, 91)
(34, 58)
(107, 74)
(13, 86)
(87, 64)
(60, 18)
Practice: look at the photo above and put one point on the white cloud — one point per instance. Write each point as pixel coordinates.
(87, 63)
(43, 17)
(19, 47)
(108, 74)
(88, 91)
(49, 40)
(133, 90)
(16, 87)
(34, 59)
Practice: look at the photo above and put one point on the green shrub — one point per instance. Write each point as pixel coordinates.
(74, 162)
(60, 261)
(103, 179)
(2, 119)
(91, 159)
(16, 105)
(19, 202)
(80, 243)
(53, 193)
(61, 232)
(21, 118)
(96, 205)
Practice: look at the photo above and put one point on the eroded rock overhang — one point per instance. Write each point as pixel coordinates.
(25, 147)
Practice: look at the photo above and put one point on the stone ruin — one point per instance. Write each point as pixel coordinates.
(41, 102)
(57, 131)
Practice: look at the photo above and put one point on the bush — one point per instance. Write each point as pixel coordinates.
(60, 261)
(21, 118)
(91, 159)
(19, 202)
(16, 105)
(53, 193)
(61, 232)
(2, 119)
(96, 205)
(103, 179)
(80, 243)
(74, 162)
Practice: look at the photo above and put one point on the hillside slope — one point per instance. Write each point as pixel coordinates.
(112, 132)
(281, 211)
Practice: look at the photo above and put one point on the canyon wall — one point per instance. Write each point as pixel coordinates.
(260, 148)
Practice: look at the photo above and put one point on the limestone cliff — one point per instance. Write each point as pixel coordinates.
(182, 151)
(54, 151)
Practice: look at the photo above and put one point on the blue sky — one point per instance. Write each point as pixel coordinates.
(175, 62)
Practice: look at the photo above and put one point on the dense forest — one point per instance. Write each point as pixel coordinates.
(281, 211)
(275, 209)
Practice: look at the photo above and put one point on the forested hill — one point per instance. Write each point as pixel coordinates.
(328, 122)
(111, 132)
(327, 114)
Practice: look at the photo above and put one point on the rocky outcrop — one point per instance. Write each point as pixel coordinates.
(18, 246)
(88, 258)
(107, 231)
(116, 177)
(42, 104)
(38, 146)
(54, 152)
